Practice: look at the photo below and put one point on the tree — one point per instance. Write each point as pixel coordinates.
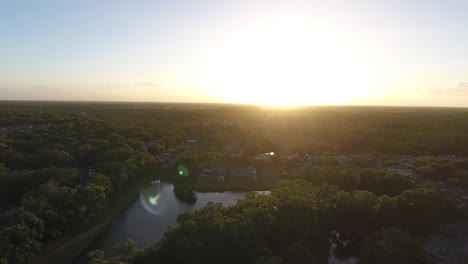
(97, 257)
(92, 199)
(421, 210)
(105, 182)
(361, 161)
(297, 253)
(124, 251)
(156, 149)
(390, 246)
(21, 236)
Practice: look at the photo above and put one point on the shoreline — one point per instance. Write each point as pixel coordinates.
(71, 247)
(68, 248)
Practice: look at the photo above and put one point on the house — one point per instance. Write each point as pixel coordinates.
(409, 160)
(297, 171)
(271, 174)
(264, 156)
(190, 142)
(233, 149)
(403, 170)
(169, 158)
(92, 173)
(456, 229)
(243, 174)
(172, 150)
(292, 158)
(439, 248)
(447, 158)
(449, 245)
(211, 174)
(343, 160)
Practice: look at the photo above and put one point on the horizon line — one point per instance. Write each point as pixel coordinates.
(229, 103)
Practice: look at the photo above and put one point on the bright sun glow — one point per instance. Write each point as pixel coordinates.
(288, 62)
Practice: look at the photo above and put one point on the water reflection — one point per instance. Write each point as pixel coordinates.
(157, 207)
(152, 199)
(343, 248)
(185, 194)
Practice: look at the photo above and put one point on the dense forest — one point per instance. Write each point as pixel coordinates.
(61, 164)
(295, 225)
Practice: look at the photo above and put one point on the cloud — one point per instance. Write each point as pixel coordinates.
(445, 65)
(44, 88)
(148, 84)
(461, 88)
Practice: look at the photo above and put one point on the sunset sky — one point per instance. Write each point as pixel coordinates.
(367, 52)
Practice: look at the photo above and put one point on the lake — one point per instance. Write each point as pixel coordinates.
(156, 208)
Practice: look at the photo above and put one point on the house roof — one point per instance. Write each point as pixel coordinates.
(264, 156)
(343, 158)
(243, 172)
(407, 158)
(400, 167)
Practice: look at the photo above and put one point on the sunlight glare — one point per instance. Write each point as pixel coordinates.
(288, 61)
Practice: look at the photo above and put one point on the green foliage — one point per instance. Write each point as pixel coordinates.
(21, 235)
(293, 225)
(373, 180)
(389, 246)
(44, 170)
(421, 210)
(362, 161)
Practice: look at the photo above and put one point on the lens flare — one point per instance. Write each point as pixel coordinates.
(183, 171)
(151, 198)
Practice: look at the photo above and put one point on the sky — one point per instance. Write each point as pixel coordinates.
(356, 52)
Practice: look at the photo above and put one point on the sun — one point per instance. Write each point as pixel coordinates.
(287, 61)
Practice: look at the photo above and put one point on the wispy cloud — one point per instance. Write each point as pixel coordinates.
(44, 88)
(461, 88)
(148, 84)
(445, 65)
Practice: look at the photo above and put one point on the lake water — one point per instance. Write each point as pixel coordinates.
(157, 207)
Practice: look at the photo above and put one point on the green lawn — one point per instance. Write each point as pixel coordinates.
(67, 248)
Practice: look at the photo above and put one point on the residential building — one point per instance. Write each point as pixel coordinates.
(190, 142)
(403, 170)
(243, 174)
(271, 174)
(169, 158)
(264, 156)
(448, 158)
(297, 171)
(211, 174)
(343, 160)
(233, 149)
(449, 245)
(92, 173)
(409, 160)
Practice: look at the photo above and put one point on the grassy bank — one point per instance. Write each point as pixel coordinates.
(67, 248)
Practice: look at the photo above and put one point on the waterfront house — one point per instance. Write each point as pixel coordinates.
(243, 174)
